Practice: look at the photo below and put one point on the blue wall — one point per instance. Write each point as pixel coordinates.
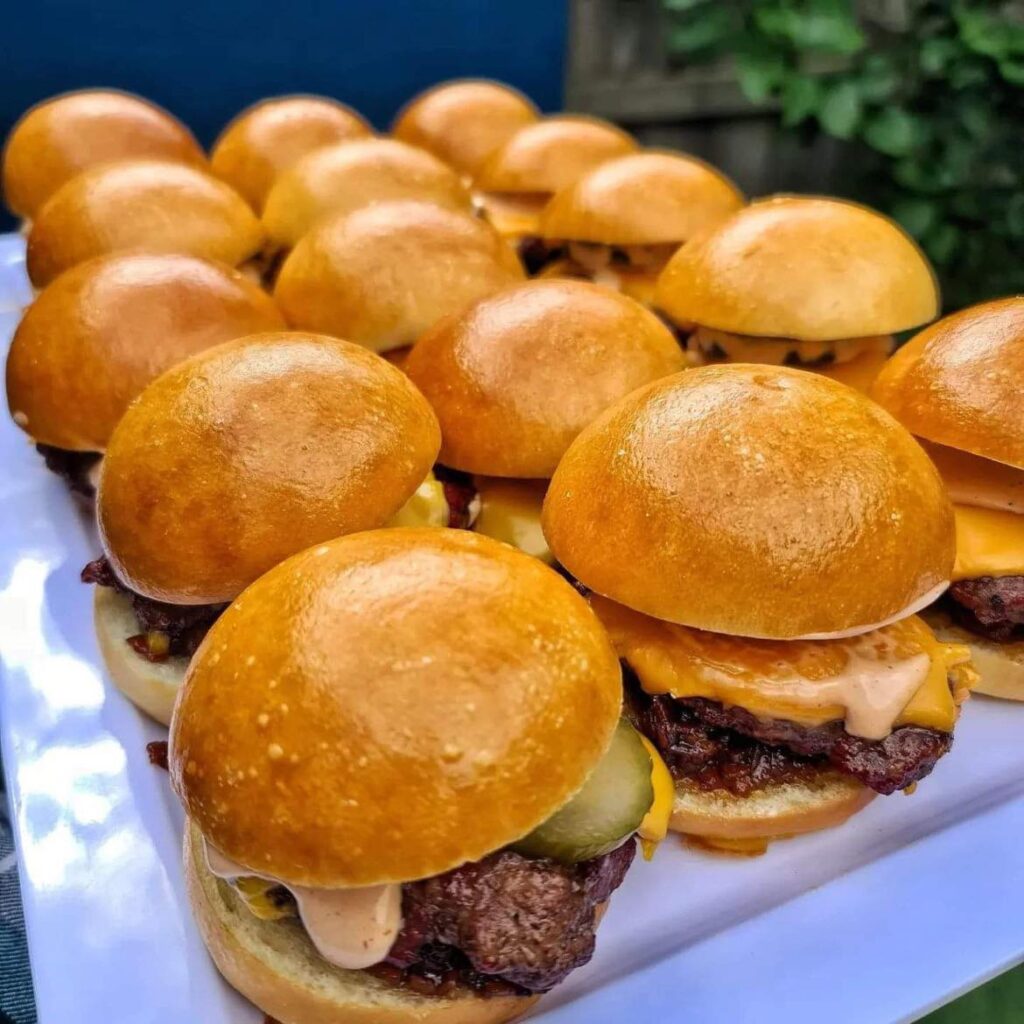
(206, 61)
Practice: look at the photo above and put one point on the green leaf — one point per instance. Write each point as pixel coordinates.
(967, 72)
(916, 214)
(824, 26)
(694, 33)
(801, 95)
(975, 113)
(841, 109)
(941, 243)
(1012, 71)
(686, 5)
(1015, 216)
(879, 78)
(894, 132)
(936, 54)
(760, 72)
(987, 33)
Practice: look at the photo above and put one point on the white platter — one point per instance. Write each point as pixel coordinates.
(913, 902)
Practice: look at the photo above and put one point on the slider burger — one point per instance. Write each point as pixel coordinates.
(516, 376)
(408, 788)
(227, 464)
(271, 135)
(60, 137)
(759, 541)
(620, 223)
(101, 331)
(817, 284)
(382, 274)
(463, 122)
(340, 179)
(144, 205)
(957, 386)
(518, 178)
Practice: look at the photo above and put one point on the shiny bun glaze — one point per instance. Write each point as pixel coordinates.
(463, 122)
(62, 136)
(100, 332)
(809, 268)
(382, 275)
(516, 376)
(270, 136)
(146, 205)
(398, 702)
(707, 499)
(552, 153)
(959, 382)
(641, 199)
(341, 179)
(251, 451)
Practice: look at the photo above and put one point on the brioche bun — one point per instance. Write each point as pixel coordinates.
(151, 686)
(778, 811)
(146, 205)
(99, 333)
(644, 198)
(382, 275)
(271, 135)
(517, 375)
(274, 965)
(62, 136)
(552, 153)
(246, 453)
(340, 179)
(999, 665)
(958, 382)
(400, 702)
(752, 500)
(463, 122)
(809, 268)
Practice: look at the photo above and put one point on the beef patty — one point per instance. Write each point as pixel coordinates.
(990, 606)
(72, 467)
(184, 625)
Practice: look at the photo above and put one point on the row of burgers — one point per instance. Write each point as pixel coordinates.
(611, 541)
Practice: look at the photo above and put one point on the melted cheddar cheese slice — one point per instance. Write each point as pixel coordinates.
(654, 827)
(510, 511)
(512, 214)
(989, 542)
(896, 675)
(426, 507)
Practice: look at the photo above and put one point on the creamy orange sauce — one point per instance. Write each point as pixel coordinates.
(351, 928)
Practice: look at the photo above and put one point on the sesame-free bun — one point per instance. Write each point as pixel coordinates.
(246, 453)
(463, 122)
(958, 382)
(517, 375)
(552, 153)
(60, 137)
(342, 178)
(151, 686)
(1000, 664)
(271, 135)
(399, 702)
(644, 198)
(752, 500)
(383, 274)
(275, 966)
(809, 268)
(144, 205)
(100, 332)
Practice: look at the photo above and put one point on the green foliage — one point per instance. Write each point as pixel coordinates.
(932, 107)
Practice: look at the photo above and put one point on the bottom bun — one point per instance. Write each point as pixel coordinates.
(748, 823)
(149, 685)
(1000, 665)
(275, 966)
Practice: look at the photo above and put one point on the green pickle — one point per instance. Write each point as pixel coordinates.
(609, 807)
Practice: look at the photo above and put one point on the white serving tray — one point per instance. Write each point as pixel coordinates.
(914, 901)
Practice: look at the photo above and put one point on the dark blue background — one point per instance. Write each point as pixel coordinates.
(205, 62)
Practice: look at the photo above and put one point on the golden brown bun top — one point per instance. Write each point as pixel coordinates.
(143, 205)
(98, 334)
(64, 135)
(340, 179)
(641, 199)
(390, 705)
(801, 267)
(551, 154)
(960, 382)
(383, 274)
(271, 135)
(752, 500)
(463, 122)
(251, 451)
(516, 376)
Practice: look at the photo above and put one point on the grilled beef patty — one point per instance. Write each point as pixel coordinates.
(72, 467)
(990, 606)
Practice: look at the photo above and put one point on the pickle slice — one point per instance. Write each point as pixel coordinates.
(608, 808)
